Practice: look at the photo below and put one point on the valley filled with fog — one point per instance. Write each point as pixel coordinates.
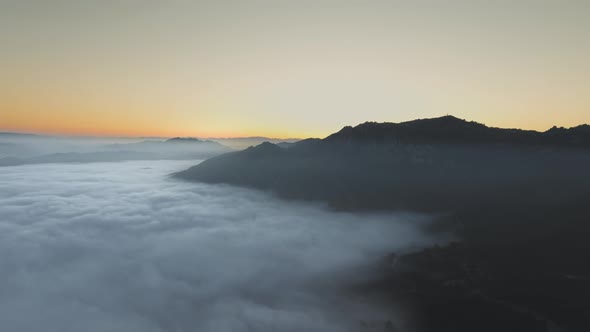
(122, 246)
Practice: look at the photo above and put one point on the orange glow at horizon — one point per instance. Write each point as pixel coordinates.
(287, 70)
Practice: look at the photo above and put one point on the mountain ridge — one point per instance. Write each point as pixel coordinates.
(450, 129)
(515, 202)
(406, 166)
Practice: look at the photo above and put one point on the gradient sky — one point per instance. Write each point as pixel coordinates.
(288, 68)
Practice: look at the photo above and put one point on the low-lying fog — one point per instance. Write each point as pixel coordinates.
(26, 149)
(123, 247)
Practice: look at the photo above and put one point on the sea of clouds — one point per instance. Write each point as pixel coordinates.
(122, 247)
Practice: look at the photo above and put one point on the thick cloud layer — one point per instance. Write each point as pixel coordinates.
(123, 247)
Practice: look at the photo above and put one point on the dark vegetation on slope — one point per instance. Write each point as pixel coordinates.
(517, 200)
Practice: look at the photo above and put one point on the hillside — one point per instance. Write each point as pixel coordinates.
(423, 165)
(515, 200)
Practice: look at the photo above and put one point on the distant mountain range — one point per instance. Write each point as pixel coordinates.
(23, 148)
(236, 143)
(178, 142)
(177, 148)
(11, 134)
(187, 140)
(240, 143)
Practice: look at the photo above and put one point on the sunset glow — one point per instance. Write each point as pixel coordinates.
(288, 69)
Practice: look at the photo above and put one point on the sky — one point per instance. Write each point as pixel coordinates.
(288, 68)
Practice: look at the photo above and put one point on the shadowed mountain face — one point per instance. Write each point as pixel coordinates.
(435, 165)
(516, 200)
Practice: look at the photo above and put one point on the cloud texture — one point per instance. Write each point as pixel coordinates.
(122, 247)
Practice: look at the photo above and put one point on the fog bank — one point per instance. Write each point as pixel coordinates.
(27, 149)
(123, 247)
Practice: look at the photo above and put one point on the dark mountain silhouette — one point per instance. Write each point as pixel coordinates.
(426, 165)
(451, 130)
(286, 145)
(515, 199)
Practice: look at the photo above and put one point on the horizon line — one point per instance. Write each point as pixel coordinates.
(65, 135)
(91, 135)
